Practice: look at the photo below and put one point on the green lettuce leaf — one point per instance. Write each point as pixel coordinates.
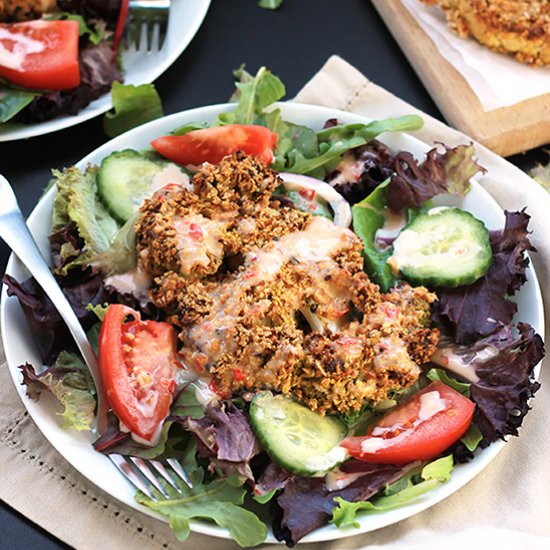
(218, 500)
(472, 438)
(270, 4)
(69, 380)
(132, 106)
(121, 256)
(368, 216)
(13, 101)
(399, 494)
(443, 376)
(76, 202)
(185, 403)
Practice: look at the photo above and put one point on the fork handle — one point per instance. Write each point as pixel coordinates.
(16, 234)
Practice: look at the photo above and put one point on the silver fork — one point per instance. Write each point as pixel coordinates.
(147, 23)
(16, 234)
(139, 471)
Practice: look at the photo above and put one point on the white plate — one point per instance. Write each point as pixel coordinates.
(139, 68)
(76, 448)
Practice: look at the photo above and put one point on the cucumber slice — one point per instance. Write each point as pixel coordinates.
(442, 247)
(125, 179)
(299, 440)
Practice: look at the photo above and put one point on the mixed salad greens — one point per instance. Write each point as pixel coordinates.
(255, 456)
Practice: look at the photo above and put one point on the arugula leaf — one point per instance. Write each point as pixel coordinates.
(368, 216)
(336, 140)
(132, 106)
(13, 101)
(432, 475)
(254, 95)
(443, 376)
(70, 382)
(218, 500)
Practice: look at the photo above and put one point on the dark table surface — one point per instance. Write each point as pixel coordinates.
(293, 42)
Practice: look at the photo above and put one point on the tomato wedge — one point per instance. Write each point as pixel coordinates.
(138, 364)
(40, 55)
(212, 144)
(421, 428)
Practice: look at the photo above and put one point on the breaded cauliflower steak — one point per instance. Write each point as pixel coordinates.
(268, 297)
(517, 27)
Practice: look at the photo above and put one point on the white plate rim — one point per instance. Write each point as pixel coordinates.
(63, 442)
(192, 12)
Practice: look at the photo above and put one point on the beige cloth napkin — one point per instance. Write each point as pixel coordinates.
(507, 505)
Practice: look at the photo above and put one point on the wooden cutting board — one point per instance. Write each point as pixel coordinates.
(506, 131)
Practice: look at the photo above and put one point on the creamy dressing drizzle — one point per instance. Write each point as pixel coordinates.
(198, 238)
(136, 282)
(350, 170)
(447, 358)
(394, 222)
(318, 243)
(170, 174)
(22, 46)
(431, 403)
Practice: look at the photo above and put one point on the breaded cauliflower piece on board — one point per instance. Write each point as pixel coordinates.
(517, 27)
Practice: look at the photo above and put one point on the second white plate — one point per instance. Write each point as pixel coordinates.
(139, 68)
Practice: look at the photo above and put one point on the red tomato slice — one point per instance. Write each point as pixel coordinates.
(421, 428)
(40, 55)
(212, 144)
(137, 362)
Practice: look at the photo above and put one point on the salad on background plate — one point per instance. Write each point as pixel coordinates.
(59, 60)
(327, 322)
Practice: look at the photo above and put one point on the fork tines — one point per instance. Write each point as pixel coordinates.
(147, 24)
(140, 473)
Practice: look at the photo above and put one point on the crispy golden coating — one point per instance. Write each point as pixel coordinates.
(517, 27)
(268, 297)
(23, 10)
(191, 233)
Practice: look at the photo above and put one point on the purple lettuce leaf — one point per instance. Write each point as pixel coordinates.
(224, 436)
(501, 383)
(411, 183)
(483, 307)
(306, 504)
(449, 171)
(45, 323)
(505, 385)
(377, 165)
(271, 478)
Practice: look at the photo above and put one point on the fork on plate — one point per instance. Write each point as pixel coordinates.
(139, 471)
(147, 24)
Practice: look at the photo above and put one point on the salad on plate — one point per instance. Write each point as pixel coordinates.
(56, 56)
(317, 324)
